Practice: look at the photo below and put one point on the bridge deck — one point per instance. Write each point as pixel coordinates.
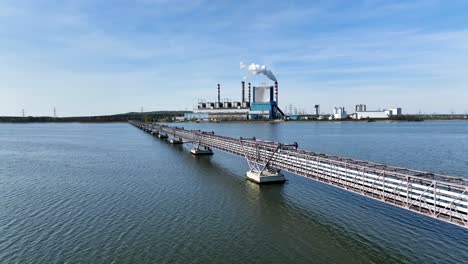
(439, 196)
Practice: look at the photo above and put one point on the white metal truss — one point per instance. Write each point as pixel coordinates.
(197, 137)
(254, 158)
(439, 196)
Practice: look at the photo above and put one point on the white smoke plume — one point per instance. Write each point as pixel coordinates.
(256, 69)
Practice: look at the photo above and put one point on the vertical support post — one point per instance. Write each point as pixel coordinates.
(407, 192)
(435, 197)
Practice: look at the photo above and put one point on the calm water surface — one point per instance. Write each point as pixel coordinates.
(110, 193)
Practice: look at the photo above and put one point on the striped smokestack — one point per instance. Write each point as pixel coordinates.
(276, 92)
(219, 94)
(243, 92)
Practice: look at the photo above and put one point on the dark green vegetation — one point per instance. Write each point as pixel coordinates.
(145, 116)
(429, 117)
(443, 116)
(168, 116)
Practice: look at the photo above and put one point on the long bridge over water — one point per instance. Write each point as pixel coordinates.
(438, 196)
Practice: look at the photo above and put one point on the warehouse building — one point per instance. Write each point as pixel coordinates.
(362, 113)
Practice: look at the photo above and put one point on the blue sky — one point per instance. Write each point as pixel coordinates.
(93, 57)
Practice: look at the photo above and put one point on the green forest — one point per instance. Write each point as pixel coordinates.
(145, 116)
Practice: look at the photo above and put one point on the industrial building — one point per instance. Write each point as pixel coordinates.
(317, 110)
(339, 113)
(264, 106)
(362, 113)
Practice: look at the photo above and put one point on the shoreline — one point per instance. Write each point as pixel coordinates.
(323, 121)
(237, 121)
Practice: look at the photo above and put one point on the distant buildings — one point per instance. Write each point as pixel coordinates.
(261, 103)
(317, 110)
(196, 116)
(264, 106)
(362, 113)
(339, 113)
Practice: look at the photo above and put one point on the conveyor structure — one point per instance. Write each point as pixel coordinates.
(438, 196)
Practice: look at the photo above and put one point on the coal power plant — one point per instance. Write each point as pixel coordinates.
(265, 103)
(261, 103)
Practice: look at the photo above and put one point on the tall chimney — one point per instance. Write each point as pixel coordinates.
(219, 94)
(243, 92)
(249, 92)
(276, 92)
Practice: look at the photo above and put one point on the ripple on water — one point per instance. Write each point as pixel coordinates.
(80, 193)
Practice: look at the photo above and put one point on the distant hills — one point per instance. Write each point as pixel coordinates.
(144, 116)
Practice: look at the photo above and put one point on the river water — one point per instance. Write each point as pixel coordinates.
(111, 193)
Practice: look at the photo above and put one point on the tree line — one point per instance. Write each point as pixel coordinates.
(146, 117)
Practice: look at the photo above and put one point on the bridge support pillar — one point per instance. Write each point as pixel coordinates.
(261, 170)
(201, 151)
(266, 176)
(176, 141)
(162, 135)
(197, 147)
